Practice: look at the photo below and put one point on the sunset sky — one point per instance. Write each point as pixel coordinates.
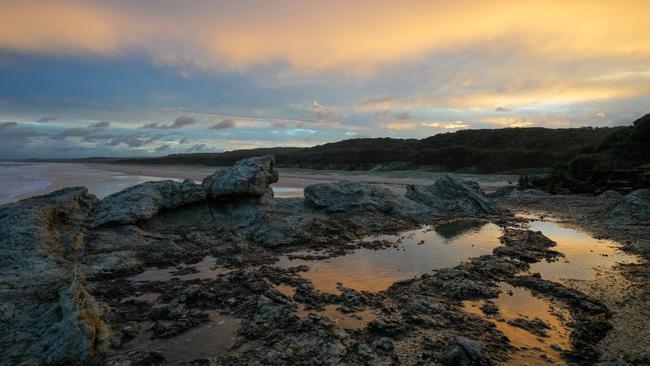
(91, 78)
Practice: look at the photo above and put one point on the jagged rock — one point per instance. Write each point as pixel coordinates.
(465, 352)
(631, 209)
(513, 193)
(450, 194)
(145, 200)
(249, 177)
(46, 315)
(535, 326)
(610, 195)
(527, 246)
(352, 197)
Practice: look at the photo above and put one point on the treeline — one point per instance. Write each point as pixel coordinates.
(620, 161)
(576, 151)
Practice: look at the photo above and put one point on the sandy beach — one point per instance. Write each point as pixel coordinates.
(22, 180)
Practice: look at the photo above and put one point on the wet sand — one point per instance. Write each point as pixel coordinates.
(300, 178)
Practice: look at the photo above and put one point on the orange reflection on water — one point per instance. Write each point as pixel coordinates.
(515, 302)
(418, 252)
(582, 253)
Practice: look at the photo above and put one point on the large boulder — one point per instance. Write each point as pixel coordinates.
(145, 200)
(450, 194)
(250, 177)
(358, 197)
(46, 315)
(631, 209)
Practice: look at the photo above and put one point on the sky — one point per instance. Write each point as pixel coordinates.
(150, 78)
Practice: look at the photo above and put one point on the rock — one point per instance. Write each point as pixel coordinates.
(535, 326)
(145, 200)
(527, 246)
(47, 315)
(535, 193)
(490, 308)
(631, 209)
(450, 194)
(610, 195)
(138, 358)
(247, 178)
(384, 344)
(352, 197)
(465, 352)
(513, 193)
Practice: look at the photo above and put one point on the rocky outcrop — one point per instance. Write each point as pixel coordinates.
(352, 197)
(248, 178)
(527, 246)
(610, 195)
(513, 193)
(145, 200)
(450, 194)
(47, 317)
(631, 209)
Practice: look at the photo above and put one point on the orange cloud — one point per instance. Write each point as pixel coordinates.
(317, 35)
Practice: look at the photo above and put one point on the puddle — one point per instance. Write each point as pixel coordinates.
(285, 290)
(583, 255)
(207, 268)
(518, 306)
(416, 252)
(207, 340)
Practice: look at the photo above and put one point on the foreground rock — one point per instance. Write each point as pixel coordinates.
(450, 194)
(145, 200)
(631, 209)
(47, 316)
(356, 197)
(248, 178)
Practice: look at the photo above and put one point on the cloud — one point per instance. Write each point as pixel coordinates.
(72, 132)
(279, 124)
(196, 148)
(401, 125)
(403, 115)
(182, 121)
(47, 119)
(223, 125)
(446, 125)
(179, 122)
(151, 126)
(7, 125)
(298, 33)
(162, 148)
(321, 111)
(102, 124)
(382, 103)
(134, 140)
(503, 109)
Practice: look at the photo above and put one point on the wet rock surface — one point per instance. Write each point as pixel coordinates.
(349, 197)
(204, 272)
(450, 194)
(146, 200)
(633, 208)
(249, 177)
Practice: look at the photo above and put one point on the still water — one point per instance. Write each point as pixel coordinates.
(416, 252)
(420, 251)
